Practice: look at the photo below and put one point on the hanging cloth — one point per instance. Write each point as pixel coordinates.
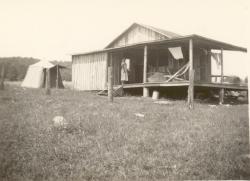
(176, 52)
(217, 58)
(127, 61)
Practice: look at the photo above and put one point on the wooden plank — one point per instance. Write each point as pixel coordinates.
(221, 96)
(184, 83)
(145, 62)
(222, 71)
(156, 84)
(106, 71)
(176, 73)
(191, 76)
(110, 77)
(191, 90)
(117, 91)
(89, 72)
(209, 66)
(136, 34)
(176, 78)
(225, 86)
(128, 86)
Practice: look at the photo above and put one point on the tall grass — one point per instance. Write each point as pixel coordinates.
(104, 141)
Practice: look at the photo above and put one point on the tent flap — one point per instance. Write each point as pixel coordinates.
(34, 77)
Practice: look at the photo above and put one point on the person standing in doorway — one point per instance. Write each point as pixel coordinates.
(124, 71)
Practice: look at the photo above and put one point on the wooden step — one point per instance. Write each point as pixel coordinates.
(117, 91)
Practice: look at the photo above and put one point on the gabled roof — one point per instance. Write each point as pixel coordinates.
(165, 33)
(214, 44)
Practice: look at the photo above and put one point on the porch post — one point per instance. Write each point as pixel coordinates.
(106, 72)
(221, 94)
(47, 84)
(222, 68)
(145, 89)
(110, 79)
(191, 77)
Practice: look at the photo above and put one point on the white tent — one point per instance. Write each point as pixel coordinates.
(35, 76)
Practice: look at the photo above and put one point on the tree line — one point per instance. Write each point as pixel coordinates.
(16, 67)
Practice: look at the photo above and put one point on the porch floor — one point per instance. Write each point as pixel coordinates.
(227, 86)
(186, 83)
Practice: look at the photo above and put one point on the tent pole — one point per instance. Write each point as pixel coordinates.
(57, 75)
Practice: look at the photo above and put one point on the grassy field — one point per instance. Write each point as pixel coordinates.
(104, 141)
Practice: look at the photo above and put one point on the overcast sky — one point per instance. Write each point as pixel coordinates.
(53, 29)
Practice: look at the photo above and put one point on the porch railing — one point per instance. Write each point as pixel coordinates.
(226, 79)
(179, 75)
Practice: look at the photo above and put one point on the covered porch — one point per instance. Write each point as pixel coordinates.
(154, 65)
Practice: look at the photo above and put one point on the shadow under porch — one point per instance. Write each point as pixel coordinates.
(153, 67)
(150, 64)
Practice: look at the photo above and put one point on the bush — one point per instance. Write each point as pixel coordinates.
(16, 67)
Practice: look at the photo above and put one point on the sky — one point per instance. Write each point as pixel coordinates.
(54, 29)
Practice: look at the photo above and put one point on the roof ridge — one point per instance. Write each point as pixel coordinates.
(165, 33)
(161, 31)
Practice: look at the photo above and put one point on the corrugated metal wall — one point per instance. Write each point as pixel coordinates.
(89, 71)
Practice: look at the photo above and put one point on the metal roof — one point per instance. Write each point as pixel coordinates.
(198, 40)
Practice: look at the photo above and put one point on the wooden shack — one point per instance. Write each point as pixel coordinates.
(152, 63)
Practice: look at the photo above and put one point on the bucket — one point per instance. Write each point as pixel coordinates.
(155, 95)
